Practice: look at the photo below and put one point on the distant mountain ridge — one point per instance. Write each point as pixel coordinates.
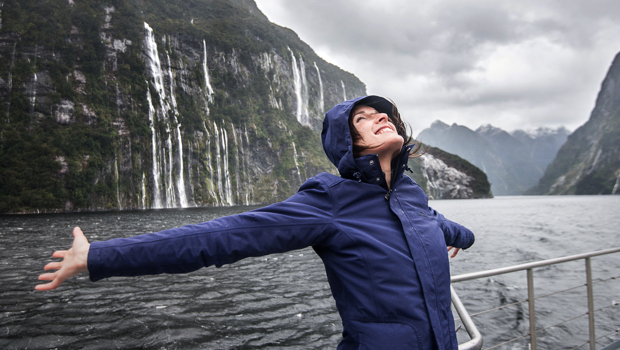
(513, 161)
(589, 162)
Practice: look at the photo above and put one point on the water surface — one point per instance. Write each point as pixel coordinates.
(282, 301)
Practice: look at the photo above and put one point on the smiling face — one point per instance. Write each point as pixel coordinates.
(376, 134)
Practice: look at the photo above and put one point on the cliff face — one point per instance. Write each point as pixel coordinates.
(157, 104)
(589, 162)
(443, 175)
(513, 161)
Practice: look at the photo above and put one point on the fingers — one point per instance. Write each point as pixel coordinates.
(77, 232)
(53, 266)
(59, 254)
(456, 251)
(47, 276)
(47, 286)
(74, 261)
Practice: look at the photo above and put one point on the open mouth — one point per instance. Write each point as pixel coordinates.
(383, 130)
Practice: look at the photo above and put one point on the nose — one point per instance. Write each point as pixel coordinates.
(381, 117)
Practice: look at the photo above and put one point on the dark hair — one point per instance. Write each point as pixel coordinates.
(387, 106)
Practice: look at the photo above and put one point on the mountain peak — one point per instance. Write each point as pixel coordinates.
(488, 129)
(439, 125)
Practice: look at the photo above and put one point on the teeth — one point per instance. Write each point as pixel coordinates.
(384, 130)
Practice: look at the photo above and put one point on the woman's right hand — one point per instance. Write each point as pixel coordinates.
(74, 262)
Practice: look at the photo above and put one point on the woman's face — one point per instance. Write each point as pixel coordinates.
(377, 134)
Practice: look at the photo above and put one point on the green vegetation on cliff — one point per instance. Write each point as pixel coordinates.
(75, 131)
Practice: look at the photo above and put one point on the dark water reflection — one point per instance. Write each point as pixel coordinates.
(282, 301)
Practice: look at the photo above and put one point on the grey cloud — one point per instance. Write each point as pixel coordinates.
(433, 55)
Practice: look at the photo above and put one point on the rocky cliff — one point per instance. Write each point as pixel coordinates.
(126, 104)
(589, 162)
(443, 175)
(157, 104)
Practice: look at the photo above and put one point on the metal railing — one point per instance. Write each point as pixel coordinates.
(476, 339)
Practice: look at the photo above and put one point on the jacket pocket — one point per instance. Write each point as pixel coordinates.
(388, 335)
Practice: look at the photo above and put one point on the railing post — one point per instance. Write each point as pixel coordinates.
(532, 309)
(590, 304)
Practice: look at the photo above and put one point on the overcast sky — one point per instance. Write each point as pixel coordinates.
(514, 64)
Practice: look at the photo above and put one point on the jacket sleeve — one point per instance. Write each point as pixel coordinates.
(302, 220)
(456, 235)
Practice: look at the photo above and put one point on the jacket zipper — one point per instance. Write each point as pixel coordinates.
(387, 195)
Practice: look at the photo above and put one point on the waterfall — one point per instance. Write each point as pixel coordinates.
(296, 163)
(143, 191)
(249, 194)
(218, 158)
(157, 203)
(180, 178)
(321, 100)
(155, 64)
(238, 182)
(301, 90)
(170, 195)
(305, 116)
(210, 167)
(297, 85)
(228, 186)
(167, 103)
(118, 194)
(344, 91)
(33, 92)
(615, 190)
(207, 80)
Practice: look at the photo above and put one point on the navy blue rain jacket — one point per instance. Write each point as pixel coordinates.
(385, 256)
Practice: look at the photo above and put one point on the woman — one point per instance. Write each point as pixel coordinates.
(383, 248)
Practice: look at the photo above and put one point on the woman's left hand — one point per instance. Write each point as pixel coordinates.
(456, 251)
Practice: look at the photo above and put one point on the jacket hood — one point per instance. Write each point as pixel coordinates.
(336, 136)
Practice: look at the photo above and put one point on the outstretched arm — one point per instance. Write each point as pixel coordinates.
(74, 262)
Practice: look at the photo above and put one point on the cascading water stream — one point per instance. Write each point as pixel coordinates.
(249, 194)
(167, 103)
(296, 163)
(227, 187)
(344, 91)
(210, 167)
(181, 176)
(157, 200)
(170, 195)
(207, 80)
(616, 185)
(155, 64)
(33, 93)
(305, 115)
(321, 100)
(238, 182)
(297, 85)
(118, 194)
(218, 158)
(143, 206)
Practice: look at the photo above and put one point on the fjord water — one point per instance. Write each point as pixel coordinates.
(283, 301)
